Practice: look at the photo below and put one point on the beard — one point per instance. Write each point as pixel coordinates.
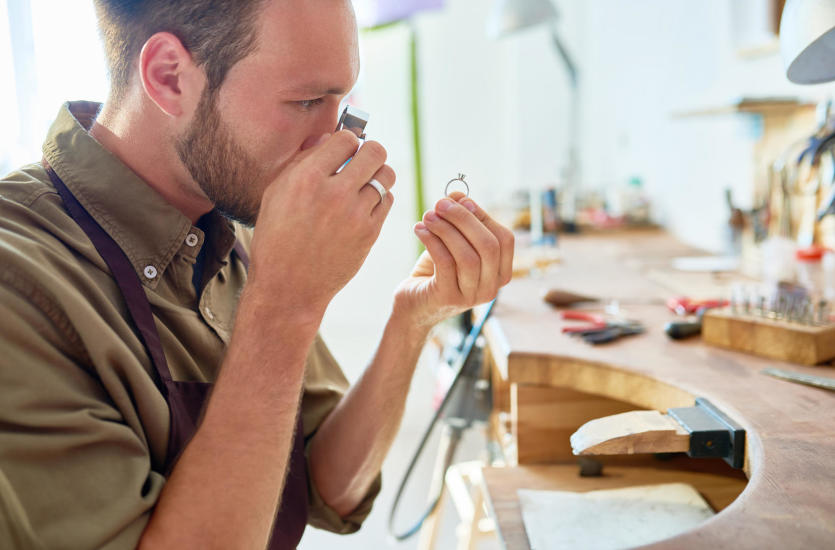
(222, 168)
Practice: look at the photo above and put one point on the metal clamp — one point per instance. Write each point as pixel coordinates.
(712, 433)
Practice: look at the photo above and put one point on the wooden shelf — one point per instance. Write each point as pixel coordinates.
(755, 105)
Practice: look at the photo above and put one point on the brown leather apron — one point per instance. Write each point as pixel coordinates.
(187, 399)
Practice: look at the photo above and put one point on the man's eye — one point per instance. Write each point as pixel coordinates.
(308, 104)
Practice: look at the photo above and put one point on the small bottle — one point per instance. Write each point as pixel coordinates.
(550, 217)
(810, 273)
(828, 266)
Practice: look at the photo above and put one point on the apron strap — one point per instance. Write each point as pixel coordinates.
(186, 399)
(125, 276)
(239, 250)
(123, 273)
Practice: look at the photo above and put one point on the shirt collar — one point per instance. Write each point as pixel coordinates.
(146, 227)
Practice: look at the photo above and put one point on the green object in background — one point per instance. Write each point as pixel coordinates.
(382, 14)
(413, 57)
(420, 203)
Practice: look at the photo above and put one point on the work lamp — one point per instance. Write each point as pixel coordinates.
(807, 40)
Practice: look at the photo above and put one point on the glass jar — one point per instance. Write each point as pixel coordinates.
(810, 272)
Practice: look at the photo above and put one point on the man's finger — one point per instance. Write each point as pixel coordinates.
(502, 233)
(328, 155)
(370, 158)
(385, 176)
(381, 209)
(442, 258)
(467, 260)
(480, 238)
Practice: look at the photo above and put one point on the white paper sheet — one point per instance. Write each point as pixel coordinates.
(610, 519)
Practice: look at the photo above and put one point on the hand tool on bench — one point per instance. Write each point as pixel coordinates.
(800, 378)
(598, 329)
(560, 298)
(683, 305)
(679, 330)
(701, 431)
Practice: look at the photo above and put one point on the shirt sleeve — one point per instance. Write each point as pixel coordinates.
(73, 474)
(15, 528)
(324, 386)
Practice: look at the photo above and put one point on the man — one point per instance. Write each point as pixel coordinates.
(218, 111)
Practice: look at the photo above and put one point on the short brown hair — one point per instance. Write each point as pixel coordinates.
(217, 33)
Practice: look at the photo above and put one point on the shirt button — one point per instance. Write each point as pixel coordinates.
(150, 272)
(192, 239)
(209, 313)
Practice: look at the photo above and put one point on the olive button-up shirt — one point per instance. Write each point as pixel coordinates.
(83, 425)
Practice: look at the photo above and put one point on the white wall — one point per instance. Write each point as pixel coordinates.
(499, 110)
(492, 109)
(646, 60)
(59, 58)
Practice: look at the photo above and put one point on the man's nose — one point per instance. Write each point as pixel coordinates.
(325, 124)
(328, 118)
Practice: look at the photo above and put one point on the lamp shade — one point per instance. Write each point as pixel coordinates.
(807, 40)
(512, 15)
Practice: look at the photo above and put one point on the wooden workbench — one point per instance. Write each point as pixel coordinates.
(789, 500)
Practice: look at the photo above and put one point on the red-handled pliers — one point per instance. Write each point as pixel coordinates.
(596, 322)
(599, 330)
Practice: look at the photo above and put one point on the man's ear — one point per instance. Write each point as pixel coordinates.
(168, 73)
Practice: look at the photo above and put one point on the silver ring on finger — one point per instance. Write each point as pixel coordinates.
(379, 187)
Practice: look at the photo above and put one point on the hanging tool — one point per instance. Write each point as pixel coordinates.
(826, 206)
(794, 173)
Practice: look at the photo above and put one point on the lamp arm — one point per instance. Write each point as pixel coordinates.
(567, 208)
(570, 66)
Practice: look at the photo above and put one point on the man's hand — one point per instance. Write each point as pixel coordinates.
(315, 227)
(468, 257)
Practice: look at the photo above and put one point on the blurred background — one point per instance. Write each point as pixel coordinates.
(598, 113)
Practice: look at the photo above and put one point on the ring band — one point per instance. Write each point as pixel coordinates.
(461, 179)
(379, 187)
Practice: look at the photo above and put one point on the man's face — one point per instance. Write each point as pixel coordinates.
(272, 103)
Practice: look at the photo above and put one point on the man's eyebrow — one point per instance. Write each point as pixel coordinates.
(315, 90)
